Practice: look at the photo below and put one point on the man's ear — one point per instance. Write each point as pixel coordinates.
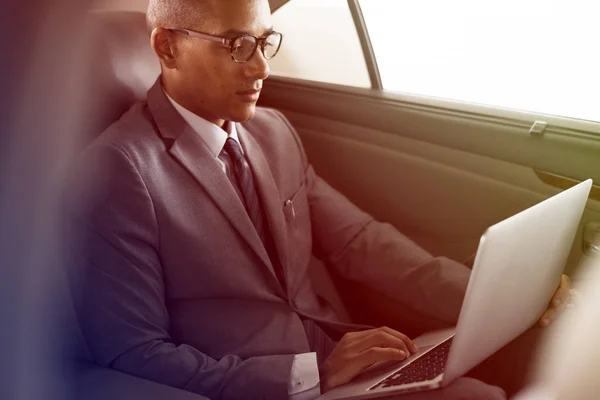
(163, 47)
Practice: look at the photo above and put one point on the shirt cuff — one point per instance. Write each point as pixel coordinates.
(304, 377)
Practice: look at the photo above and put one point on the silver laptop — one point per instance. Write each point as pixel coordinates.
(517, 268)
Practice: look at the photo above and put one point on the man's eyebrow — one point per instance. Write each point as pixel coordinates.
(236, 32)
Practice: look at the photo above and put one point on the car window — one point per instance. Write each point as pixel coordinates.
(320, 43)
(534, 55)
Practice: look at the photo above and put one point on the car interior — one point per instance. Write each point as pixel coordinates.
(440, 171)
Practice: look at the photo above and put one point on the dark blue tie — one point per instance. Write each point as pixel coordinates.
(319, 341)
(247, 187)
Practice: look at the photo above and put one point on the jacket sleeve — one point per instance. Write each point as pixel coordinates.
(378, 255)
(119, 291)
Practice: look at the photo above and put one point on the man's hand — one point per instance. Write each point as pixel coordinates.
(359, 350)
(562, 298)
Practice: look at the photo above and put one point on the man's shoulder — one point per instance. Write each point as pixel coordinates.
(275, 134)
(132, 133)
(270, 125)
(266, 118)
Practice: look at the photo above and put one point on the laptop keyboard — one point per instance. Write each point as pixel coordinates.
(424, 368)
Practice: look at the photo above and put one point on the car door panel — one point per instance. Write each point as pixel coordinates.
(440, 176)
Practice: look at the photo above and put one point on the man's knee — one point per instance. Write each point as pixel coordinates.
(472, 389)
(461, 389)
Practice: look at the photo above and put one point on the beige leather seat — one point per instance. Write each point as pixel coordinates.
(568, 362)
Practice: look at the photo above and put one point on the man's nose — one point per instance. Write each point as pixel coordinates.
(258, 66)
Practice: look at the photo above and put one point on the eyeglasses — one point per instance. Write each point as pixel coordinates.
(244, 46)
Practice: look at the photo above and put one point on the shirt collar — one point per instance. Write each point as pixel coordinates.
(213, 136)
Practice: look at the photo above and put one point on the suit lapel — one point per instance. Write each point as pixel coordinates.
(268, 192)
(189, 150)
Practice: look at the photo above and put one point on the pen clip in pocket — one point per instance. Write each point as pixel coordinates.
(289, 211)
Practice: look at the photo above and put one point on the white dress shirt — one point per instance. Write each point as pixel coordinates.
(213, 137)
(304, 376)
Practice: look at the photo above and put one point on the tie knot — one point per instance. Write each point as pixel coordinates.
(232, 147)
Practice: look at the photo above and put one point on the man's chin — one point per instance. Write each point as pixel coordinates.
(244, 113)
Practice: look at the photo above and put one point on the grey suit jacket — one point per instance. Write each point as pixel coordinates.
(174, 284)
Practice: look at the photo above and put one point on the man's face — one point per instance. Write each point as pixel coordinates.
(208, 82)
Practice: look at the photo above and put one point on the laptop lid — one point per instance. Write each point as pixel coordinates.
(517, 269)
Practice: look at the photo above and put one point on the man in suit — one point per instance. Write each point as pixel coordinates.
(200, 215)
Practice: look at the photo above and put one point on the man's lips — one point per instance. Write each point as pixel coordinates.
(250, 96)
(249, 92)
